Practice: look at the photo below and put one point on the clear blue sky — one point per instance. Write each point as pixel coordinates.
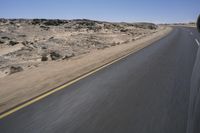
(157, 11)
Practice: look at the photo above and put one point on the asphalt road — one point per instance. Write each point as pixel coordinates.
(146, 92)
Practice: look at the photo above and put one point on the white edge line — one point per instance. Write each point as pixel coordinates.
(197, 42)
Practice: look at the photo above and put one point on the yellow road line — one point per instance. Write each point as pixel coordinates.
(59, 88)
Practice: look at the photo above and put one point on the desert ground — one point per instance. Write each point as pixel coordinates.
(25, 44)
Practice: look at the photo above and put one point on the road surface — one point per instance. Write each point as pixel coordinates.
(146, 92)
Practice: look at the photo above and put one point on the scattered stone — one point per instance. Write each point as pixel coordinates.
(44, 58)
(5, 38)
(44, 27)
(12, 23)
(3, 20)
(13, 69)
(51, 38)
(44, 47)
(1, 42)
(12, 43)
(69, 55)
(124, 30)
(36, 21)
(55, 55)
(21, 35)
(46, 40)
(55, 22)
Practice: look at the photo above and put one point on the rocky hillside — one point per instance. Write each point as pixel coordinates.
(26, 44)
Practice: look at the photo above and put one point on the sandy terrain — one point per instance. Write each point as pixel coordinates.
(42, 60)
(25, 44)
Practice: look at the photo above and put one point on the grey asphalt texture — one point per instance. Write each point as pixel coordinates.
(146, 92)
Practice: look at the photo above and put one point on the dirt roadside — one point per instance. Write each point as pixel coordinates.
(20, 87)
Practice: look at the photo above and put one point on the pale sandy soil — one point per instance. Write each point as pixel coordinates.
(26, 44)
(20, 87)
(4, 51)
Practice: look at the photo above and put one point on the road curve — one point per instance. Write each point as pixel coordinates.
(146, 92)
